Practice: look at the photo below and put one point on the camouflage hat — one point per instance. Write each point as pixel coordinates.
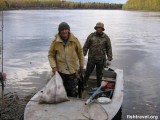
(63, 25)
(99, 25)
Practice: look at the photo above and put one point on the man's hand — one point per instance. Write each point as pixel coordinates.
(54, 70)
(84, 53)
(81, 69)
(108, 63)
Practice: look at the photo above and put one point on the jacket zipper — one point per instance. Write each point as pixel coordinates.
(66, 58)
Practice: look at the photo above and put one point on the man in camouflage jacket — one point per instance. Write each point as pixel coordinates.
(99, 45)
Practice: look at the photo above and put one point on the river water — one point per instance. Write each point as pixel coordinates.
(135, 38)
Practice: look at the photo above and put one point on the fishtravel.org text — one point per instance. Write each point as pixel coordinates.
(142, 117)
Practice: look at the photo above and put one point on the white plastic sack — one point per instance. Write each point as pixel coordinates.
(103, 100)
(54, 91)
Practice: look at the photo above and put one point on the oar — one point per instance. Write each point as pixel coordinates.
(103, 83)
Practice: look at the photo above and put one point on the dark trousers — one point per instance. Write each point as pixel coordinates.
(70, 83)
(99, 70)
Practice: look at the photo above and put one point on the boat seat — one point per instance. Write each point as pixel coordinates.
(93, 77)
(107, 75)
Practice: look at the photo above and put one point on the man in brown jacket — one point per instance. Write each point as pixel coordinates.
(66, 56)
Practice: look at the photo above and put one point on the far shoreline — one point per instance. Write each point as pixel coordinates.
(57, 9)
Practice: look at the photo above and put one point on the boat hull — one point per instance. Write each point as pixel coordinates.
(76, 108)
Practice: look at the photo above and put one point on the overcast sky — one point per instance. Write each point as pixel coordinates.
(108, 1)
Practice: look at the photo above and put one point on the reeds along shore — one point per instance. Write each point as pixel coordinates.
(54, 4)
(147, 5)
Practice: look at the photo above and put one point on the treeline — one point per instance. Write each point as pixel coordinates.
(149, 5)
(55, 4)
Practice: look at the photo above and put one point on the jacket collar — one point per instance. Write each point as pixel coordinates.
(103, 34)
(59, 39)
